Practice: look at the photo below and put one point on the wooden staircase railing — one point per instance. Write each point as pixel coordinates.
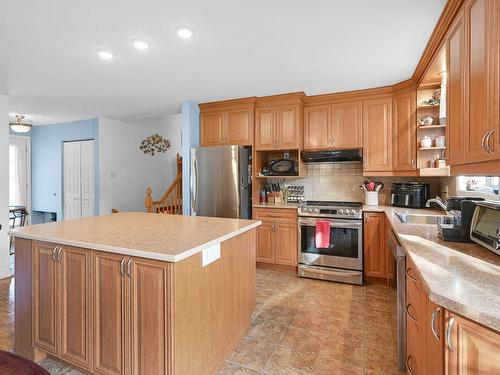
(171, 200)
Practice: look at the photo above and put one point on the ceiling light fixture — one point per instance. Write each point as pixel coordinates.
(104, 54)
(20, 125)
(140, 44)
(185, 31)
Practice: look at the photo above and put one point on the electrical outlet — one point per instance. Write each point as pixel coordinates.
(210, 255)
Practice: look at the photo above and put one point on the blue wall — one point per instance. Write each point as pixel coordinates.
(46, 162)
(190, 138)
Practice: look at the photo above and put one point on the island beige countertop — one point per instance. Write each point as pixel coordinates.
(169, 238)
(461, 277)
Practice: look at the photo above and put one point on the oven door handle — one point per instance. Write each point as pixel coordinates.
(333, 223)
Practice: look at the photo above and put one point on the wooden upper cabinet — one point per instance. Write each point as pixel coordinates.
(211, 129)
(45, 298)
(455, 128)
(227, 123)
(346, 128)
(404, 131)
(317, 127)
(265, 120)
(110, 319)
(479, 65)
(475, 350)
(288, 129)
(377, 135)
(375, 260)
(149, 316)
(238, 127)
(76, 306)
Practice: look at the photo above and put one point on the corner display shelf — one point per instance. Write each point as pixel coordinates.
(429, 127)
(445, 171)
(431, 148)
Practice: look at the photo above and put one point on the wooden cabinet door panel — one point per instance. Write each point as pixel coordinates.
(347, 125)
(76, 308)
(455, 127)
(374, 245)
(288, 127)
(109, 314)
(286, 244)
(494, 93)
(238, 127)
(149, 317)
(265, 134)
(265, 242)
(434, 357)
(377, 134)
(477, 36)
(404, 132)
(317, 127)
(211, 127)
(45, 298)
(476, 349)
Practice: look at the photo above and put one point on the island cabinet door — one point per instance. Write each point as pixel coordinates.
(76, 311)
(45, 298)
(110, 316)
(149, 295)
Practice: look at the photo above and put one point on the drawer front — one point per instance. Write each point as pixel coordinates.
(281, 214)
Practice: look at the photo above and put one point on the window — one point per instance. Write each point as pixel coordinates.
(485, 186)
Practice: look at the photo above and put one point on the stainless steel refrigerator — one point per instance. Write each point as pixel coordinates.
(220, 182)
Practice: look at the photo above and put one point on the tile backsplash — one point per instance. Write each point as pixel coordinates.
(341, 181)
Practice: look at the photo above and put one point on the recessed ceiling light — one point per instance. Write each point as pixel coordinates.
(104, 54)
(185, 31)
(140, 44)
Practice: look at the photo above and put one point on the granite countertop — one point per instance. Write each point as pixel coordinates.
(169, 238)
(290, 206)
(461, 277)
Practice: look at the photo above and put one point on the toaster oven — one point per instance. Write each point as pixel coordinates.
(485, 226)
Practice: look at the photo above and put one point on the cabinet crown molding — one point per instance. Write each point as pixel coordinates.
(233, 103)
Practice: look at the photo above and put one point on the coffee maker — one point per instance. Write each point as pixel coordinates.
(460, 230)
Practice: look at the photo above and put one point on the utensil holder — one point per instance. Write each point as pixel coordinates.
(371, 198)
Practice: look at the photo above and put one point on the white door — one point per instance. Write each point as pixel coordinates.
(88, 173)
(78, 179)
(19, 172)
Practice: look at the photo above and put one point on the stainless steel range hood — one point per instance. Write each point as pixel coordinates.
(333, 156)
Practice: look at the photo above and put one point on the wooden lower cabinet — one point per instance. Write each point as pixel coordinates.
(375, 252)
(434, 338)
(277, 236)
(472, 348)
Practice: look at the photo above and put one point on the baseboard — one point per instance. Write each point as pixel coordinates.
(5, 273)
(277, 267)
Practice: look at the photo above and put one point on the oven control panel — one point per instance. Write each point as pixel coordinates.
(351, 213)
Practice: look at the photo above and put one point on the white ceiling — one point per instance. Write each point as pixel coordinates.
(242, 48)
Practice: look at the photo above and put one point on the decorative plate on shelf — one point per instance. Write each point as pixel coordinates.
(426, 120)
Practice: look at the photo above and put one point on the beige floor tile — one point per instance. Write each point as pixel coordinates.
(252, 354)
(234, 369)
(267, 330)
(344, 347)
(280, 314)
(301, 340)
(286, 361)
(332, 366)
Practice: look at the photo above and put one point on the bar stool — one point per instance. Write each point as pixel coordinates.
(11, 364)
(17, 218)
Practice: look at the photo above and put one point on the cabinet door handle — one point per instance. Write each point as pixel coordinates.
(59, 255)
(410, 314)
(408, 365)
(410, 276)
(364, 164)
(482, 142)
(451, 321)
(129, 268)
(487, 142)
(54, 253)
(413, 162)
(433, 319)
(121, 267)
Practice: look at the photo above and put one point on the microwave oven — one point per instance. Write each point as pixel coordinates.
(485, 226)
(282, 167)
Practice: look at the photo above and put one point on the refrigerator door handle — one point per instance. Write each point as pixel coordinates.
(194, 183)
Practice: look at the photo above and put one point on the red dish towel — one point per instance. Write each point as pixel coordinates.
(322, 234)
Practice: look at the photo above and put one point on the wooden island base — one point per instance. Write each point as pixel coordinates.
(107, 313)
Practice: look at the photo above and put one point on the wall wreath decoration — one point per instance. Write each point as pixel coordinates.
(154, 143)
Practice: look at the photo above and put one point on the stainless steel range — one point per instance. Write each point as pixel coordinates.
(340, 257)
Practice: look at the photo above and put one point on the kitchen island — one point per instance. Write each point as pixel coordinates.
(135, 293)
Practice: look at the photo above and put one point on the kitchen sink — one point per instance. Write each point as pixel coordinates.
(425, 219)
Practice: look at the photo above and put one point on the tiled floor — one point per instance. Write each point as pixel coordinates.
(300, 326)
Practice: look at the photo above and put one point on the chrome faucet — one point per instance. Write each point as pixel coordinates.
(438, 201)
(456, 214)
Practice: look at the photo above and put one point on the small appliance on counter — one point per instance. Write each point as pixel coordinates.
(485, 226)
(459, 231)
(410, 194)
